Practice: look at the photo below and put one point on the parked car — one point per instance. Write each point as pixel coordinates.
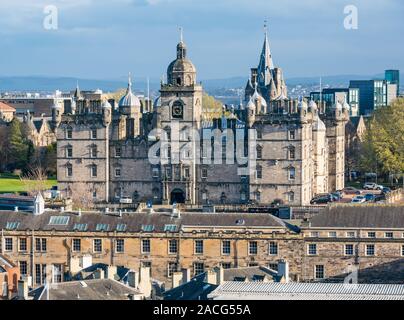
(337, 195)
(372, 186)
(351, 190)
(370, 197)
(126, 200)
(358, 199)
(380, 197)
(321, 200)
(386, 190)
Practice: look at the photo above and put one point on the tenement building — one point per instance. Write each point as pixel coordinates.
(359, 241)
(276, 149)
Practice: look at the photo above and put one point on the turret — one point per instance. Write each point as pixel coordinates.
(56, 114)
(106, 113)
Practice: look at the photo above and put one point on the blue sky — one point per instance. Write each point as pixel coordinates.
(105, 39)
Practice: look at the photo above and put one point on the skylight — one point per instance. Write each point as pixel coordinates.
(12, 225)
(80, 226)
(147, 227)
(170, 227)
(102, 227)
(59, 220)
(121, 227)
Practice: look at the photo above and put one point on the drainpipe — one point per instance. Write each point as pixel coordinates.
(107, 164)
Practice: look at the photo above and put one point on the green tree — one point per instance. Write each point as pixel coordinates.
(383, 147)
(18, 146)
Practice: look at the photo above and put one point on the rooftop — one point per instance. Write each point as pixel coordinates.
(136, 222)
(97, 289)
(367, 216)
(307, 291)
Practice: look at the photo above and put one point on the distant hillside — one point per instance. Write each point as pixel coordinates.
(49, 84)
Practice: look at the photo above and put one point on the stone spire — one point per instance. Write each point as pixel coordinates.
(266, 64)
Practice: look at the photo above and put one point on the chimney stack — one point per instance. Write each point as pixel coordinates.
(283, 270)
(22, 290)
(211, 277)
(186, 275)
(133, 279)
(219, 275)
(176, 279)
(145, 281)
(99, 273)
(111, 272)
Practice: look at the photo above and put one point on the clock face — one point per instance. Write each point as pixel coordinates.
(177, 110)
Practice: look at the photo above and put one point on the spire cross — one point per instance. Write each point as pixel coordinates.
(181, 35)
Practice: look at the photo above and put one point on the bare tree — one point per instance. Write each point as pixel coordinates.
(34, 180)
(82, 196)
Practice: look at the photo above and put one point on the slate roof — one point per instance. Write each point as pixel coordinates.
(308, 291)
(135, 221)
(195, 289)
(249, 273)
(389, 217)
(97, 289)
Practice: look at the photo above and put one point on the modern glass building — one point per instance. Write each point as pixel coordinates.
(372, 94)
(393, 77)
(331, 95)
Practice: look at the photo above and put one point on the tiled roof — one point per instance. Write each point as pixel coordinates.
(308, 291)
(6, 107)
(135, 221)
(366, 216)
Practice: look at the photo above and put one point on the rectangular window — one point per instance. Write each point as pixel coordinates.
(314, 234)
(172, 246)
(292, 154)
(171, 268)
(155, 172)
(199, 267)
(273, 248)
(93, 171)
(76, 245)
(389, 235)
(319, 272)
(23, 268)
(226, 265)
(8, 244)
(93, 133)
(349, 249)
(40, 244)
(198, 246)
(117, 172)
(69, 133)
(226, 247)
(69, 171)
(402, 250)
(69, 152)
(22, 244)
(259, 153)
(370, 249)
(93, 152)
(371, 234)
(186, 172)
(332, 234)
(292, 173)
(118, 152)
(40, 274)
(292, 135)
(97, 245)
(119, 245)
(252, 247)
(351, 234)
(312, 249)
(146, 246)
(259, 172)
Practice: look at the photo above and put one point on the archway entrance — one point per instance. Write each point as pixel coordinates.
(177, 196)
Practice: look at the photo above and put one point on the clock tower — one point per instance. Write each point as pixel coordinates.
(179, 114)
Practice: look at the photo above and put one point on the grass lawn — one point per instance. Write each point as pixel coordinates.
(11, 183)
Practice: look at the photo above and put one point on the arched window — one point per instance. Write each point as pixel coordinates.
(179, 81)
(291, 196)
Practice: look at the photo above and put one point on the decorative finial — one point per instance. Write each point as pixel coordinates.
(130, 82)
(181, 34)
(265, 26)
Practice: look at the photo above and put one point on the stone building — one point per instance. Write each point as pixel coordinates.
(170, 152)
(362, 241)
